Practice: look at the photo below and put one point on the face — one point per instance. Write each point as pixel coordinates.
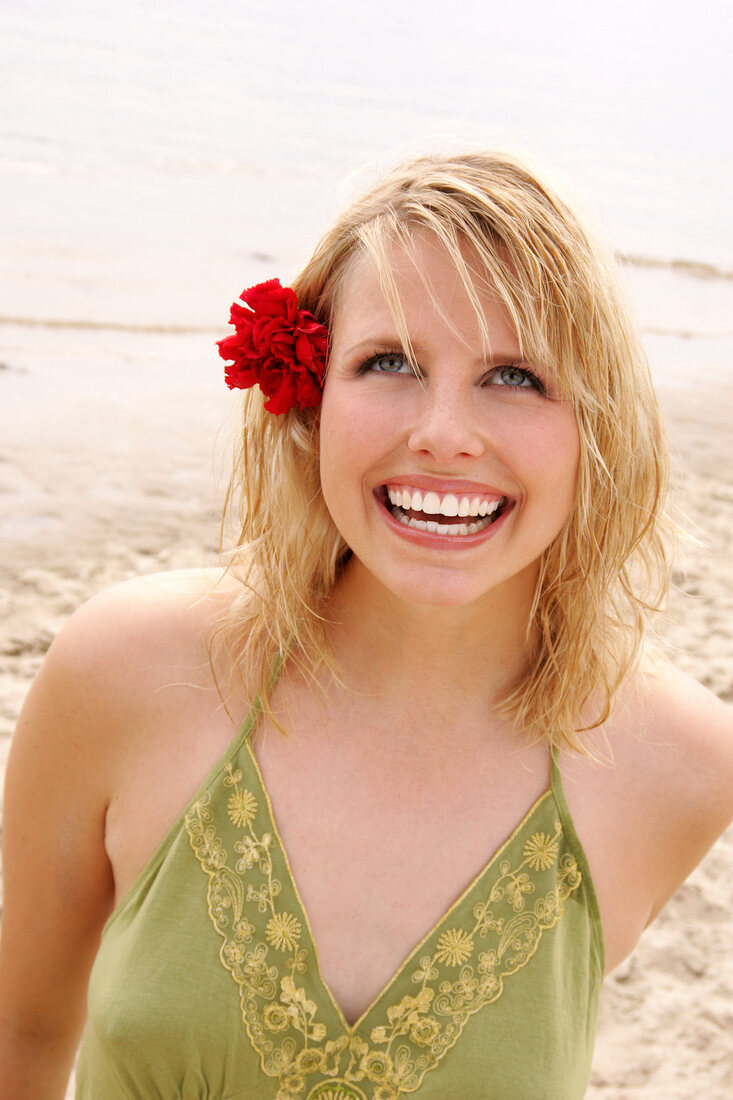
(447, 483)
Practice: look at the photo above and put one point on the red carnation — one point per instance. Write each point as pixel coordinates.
(277, 346)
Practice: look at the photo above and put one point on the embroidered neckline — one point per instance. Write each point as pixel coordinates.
(473, 884)
(271, 954)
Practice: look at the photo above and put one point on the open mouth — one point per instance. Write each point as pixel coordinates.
(452, 514)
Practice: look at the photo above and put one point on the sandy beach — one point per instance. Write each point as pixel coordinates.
(110, 485)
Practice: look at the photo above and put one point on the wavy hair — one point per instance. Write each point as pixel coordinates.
(606, 570)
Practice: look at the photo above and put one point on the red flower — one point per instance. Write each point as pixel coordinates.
(277, 346)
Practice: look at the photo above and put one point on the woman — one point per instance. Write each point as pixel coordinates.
(450, 538)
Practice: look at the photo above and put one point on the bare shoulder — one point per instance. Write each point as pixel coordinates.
(670, 739)
(87, 717)
(142, 612)
(653, 798)
(117, 648)
(110, 659)
(675, 748)
(690, 732)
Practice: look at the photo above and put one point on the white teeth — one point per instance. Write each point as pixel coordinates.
(441, 528)
(453, 529)
(449, 505)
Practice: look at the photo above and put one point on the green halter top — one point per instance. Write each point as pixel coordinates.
(207, 984)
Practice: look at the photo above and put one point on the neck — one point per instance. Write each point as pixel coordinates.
(402, 651)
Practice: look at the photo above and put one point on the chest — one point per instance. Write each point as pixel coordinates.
(382, 833)
(382, 841)
(218, 917)
(217, 920)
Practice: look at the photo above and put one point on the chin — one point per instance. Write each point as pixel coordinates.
(448, 593)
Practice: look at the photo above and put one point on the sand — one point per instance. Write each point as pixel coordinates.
(95, 490)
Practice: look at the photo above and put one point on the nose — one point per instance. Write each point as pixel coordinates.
(445, 426)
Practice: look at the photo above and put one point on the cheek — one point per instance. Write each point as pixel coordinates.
(345, 447)
(551, 457)
(562, 459)
(354, 427)
(333, 427)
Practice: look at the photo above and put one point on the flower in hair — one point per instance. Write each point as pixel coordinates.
(276, 346)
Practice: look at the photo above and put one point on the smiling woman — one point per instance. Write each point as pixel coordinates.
(450, 484)
(478, 253)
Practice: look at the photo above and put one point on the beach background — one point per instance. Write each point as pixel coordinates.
(156, 158)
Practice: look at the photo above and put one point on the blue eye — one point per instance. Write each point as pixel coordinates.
(387, 362)
(516, 378)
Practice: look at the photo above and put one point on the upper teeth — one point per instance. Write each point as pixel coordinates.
(445, 504)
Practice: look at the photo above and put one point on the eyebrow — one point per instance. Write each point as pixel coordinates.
(375, 341)
(392, 341)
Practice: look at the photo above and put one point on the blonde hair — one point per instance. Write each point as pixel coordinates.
(610, 564)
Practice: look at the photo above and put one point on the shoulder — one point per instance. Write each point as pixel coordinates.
(652, 797)
(156, 601)
(162, 617)
(675, 751)
(668, 737)
(689, 731)
(119, 648)
(129, 661)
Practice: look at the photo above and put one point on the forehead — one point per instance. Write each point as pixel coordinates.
(419, 286)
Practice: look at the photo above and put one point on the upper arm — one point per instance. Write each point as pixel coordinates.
(78, 741)
(693, 801)
(57, 879)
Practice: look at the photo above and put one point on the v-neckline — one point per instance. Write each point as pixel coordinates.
(476, 881)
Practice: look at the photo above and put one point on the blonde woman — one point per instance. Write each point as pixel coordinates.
(370, 813)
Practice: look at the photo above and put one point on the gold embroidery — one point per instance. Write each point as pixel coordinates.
(540, 851)
(261, 948)
(454, 947)
(242, 808)
(283, 931)
(335, 1090)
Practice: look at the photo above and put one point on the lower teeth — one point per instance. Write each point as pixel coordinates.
(442, 528)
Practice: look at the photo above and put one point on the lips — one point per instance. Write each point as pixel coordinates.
(456, 515)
